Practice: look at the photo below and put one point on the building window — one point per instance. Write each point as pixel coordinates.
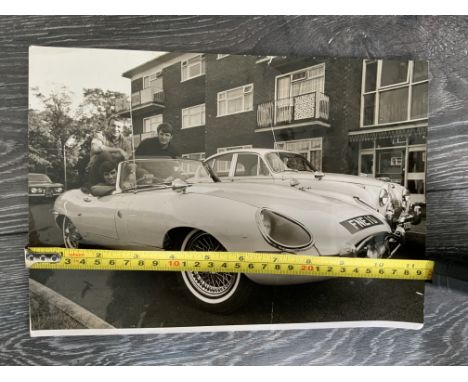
(309, 148)
(394, 73)
(153, 81)
(220, 56)
(191, 168)
(193, 67)
(151, 124)
(394, 91)
(193, 116)
(301, 82)
(237, 100)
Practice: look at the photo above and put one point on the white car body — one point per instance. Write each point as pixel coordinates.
(161, 216)
(391, 200)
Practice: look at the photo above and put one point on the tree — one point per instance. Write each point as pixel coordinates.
(49, 130)
(54, 126)
(39, 143)
(98, 106)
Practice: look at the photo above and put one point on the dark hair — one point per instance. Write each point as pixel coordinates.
(112, 118)
(106, 166)
(166, 128)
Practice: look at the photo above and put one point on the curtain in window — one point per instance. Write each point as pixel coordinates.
(194, 70)
(308, 86)
(235, 105)
(151, 124)
(284, 103)
(157, 84)
(282, 91)
(193, 117)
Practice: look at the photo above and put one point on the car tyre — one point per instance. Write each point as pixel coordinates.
(71, 236)
(214, 292)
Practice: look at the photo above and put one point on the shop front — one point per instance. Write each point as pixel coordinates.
(397, 155)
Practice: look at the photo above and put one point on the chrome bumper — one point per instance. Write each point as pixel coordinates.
(401, 221)
(413, 216)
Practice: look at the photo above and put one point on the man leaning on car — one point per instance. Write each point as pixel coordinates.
(159, 146)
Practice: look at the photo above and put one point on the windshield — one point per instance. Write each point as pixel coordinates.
(144, 173)
(38, 178)
(286, 161)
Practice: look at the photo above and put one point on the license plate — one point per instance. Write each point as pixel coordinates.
(360, 222)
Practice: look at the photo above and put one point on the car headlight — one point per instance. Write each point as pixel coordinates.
(33, 190)
(58, 189)
(383, 197)
(281, 231)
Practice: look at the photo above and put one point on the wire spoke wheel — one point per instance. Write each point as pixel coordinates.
(216, 292)
(211, 285)
(71, 236)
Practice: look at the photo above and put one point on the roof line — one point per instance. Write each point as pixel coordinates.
(166, 56)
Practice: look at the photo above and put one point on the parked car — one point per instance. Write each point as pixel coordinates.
(180, 204)
(40, 186)
(391, 200)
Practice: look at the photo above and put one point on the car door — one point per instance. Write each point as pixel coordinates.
(143, 220)
(96, 217)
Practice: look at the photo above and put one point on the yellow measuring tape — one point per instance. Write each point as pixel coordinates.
(231, 262)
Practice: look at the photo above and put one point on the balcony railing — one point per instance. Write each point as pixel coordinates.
(148, 96)
(301, 108)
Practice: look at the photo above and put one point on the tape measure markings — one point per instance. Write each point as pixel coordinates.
(229, 262)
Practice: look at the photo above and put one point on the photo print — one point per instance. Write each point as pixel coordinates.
(217, 152)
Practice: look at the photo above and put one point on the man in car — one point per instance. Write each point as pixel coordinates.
(159, 146)
(108, 178)
(109, 145)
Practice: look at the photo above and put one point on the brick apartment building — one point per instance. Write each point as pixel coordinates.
(346, 116)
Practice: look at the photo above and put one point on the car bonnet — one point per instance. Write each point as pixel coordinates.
(288, 200)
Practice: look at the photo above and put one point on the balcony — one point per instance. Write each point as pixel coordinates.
(148, 100)
(289, 112)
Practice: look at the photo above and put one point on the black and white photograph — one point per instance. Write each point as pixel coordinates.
(151, 150)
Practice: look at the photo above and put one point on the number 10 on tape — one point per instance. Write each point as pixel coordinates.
(231, 262)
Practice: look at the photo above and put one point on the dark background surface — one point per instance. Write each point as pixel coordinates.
(441, 40)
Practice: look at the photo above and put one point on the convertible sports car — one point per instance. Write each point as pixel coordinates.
(180, 204)
(391, 200)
